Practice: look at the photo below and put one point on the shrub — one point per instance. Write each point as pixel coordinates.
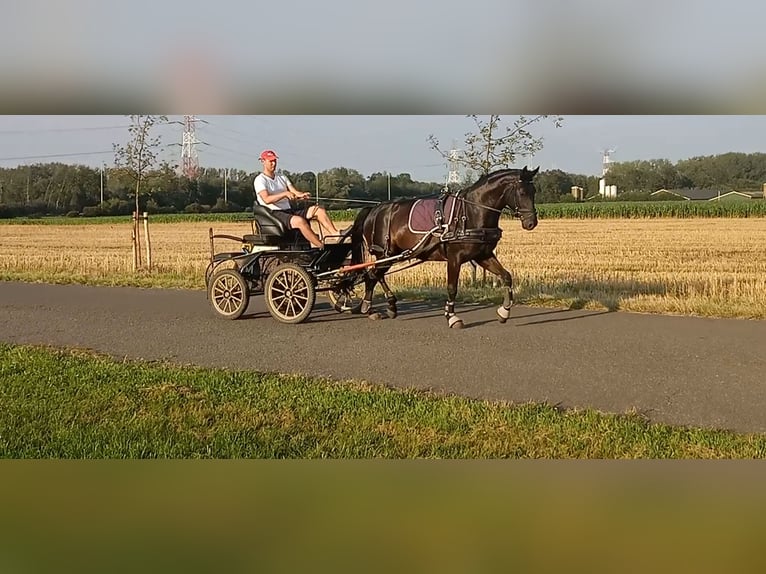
(196, 208)
(92, 211)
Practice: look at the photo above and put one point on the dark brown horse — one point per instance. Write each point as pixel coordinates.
(457, 229)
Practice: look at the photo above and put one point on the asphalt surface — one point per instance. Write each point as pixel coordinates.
(679, 370)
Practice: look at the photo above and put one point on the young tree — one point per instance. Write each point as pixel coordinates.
(492, 148)
(138, 156)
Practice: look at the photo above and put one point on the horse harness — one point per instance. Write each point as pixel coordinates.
(454, 230)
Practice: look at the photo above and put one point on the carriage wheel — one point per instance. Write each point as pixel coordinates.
(347, 300)
(290, 293)
(228, 294)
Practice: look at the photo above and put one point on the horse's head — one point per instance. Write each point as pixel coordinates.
(520, 197)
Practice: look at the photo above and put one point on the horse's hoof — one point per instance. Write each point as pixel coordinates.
(503, 314)
(455, 322)
(375, 316)
(392, 314)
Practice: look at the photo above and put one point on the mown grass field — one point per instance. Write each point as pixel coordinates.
(702, 266)
(70, 404)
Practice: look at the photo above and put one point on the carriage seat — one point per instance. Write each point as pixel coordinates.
(271, 230)
(267, 223)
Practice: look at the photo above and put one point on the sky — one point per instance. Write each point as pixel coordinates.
(399, 56)
(378, 143)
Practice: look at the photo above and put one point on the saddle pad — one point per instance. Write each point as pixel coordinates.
(422, 215)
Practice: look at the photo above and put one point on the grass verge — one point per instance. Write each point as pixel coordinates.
(74, 404)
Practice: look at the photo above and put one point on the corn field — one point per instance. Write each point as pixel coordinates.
(595, 210)
(653, 209)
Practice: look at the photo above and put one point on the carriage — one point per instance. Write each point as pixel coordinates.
(455, 228)
(280, 264)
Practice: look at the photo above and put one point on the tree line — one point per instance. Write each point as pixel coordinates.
(62, 189)
(59, 189)
(636, 180)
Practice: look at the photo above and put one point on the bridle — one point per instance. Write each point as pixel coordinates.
(522, 214)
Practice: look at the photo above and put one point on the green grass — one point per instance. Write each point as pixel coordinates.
(141, 278)
(74, 404)
(586, 210)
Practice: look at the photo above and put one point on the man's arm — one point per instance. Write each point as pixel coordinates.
(297, 194)
(262, 191)
(269, 199)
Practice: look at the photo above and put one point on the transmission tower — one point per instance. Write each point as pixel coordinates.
(453, 176)
(606, 161)
(189, 156)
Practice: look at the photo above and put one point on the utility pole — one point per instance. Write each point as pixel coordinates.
(226, 186)
(316, 184)
(102, 184)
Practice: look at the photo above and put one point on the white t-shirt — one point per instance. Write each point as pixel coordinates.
(273, 186)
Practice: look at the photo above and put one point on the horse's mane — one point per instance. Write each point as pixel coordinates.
(484, 179)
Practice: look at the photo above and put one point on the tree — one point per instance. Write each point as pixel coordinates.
(490, 149)
(137, 158)
(139, 155)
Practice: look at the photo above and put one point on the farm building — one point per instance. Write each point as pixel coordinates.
(707, 194)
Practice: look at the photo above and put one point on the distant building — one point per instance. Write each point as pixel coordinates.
(708, 194)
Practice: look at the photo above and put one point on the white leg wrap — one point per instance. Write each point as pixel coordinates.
(454, 319)
(503, 312)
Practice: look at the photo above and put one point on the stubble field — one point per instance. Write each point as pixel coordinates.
(710, 267)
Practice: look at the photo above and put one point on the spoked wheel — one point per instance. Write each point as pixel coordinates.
(228, 293)
(290, 293)
(347, 300)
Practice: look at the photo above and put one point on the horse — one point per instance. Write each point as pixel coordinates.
(461, 227)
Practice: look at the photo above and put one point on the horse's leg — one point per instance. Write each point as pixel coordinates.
(369, 289)
(453, 275)
(492, 265)
(392, 311)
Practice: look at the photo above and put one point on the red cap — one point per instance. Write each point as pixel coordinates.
(268, 154)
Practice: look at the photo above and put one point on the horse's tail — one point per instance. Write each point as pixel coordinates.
(357, 235)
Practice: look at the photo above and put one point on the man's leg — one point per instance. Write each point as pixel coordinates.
(302, 225)
(324, 220)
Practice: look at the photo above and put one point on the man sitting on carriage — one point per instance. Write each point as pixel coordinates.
(275, 192)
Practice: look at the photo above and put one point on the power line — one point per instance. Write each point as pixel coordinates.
(230, 150)
(216, 126)
(233, 139)
(48, 130)
(412, 166)
(285, 149)
(55, 155)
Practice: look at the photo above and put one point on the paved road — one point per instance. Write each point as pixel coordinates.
(678, 370)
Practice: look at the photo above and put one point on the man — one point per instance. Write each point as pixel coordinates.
(275, 192)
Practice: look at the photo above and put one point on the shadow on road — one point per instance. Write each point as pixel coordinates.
(567, 318)
(424, 310)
